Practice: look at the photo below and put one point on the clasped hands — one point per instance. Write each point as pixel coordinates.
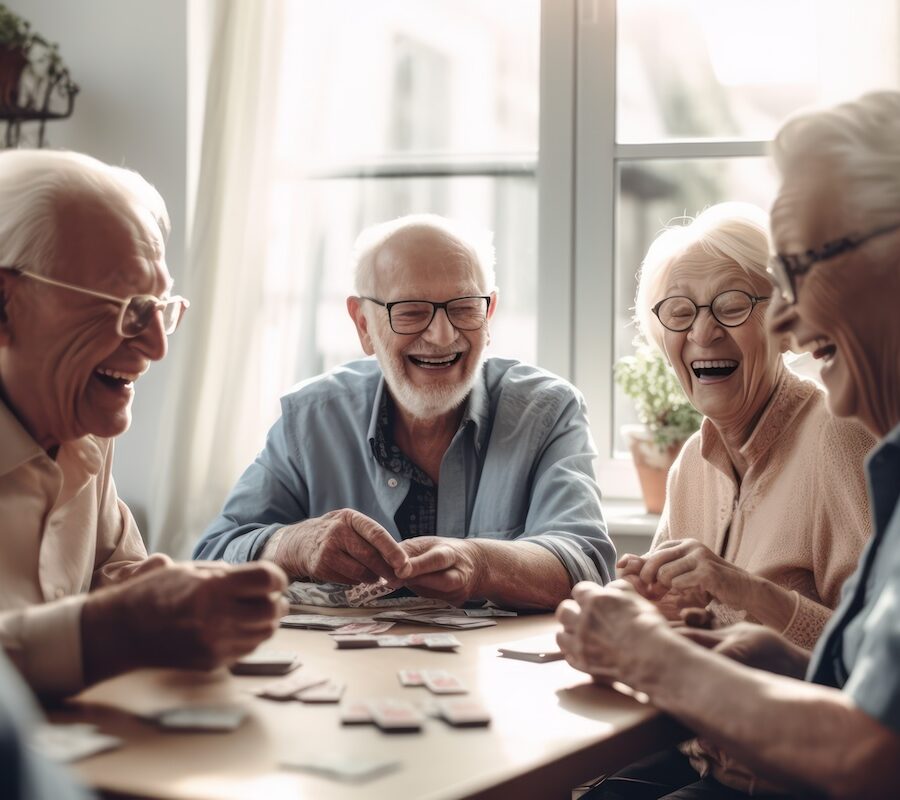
(346, 546)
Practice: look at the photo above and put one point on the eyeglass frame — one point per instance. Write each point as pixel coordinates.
(435, 307)
(754, 301)
(794, 264)
(122, 302)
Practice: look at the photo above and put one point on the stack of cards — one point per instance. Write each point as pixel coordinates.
(265, 662)
(363, 593)
(437, 681)
(320, 622)
(208, 719)
(442, 619)
(388, 713)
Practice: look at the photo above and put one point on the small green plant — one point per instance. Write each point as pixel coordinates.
(659, 401)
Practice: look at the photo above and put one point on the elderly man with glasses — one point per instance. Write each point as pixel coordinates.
(85, 307)
(430, 467)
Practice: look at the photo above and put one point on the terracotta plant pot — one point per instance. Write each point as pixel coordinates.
(652, 464)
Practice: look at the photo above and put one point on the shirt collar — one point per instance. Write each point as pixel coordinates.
(883, 469)
(17, 447)
(790, 396)
(477, 409)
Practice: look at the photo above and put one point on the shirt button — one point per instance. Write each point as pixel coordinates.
(392, 482)
(59, 592)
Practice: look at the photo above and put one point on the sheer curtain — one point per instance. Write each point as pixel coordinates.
(212, 426)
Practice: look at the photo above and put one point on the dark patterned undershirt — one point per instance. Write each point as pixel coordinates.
(417, 515)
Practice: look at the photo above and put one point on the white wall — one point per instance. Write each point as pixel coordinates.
(130, 59)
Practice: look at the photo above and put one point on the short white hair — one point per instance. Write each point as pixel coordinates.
(860, 142)
(475, 244)
(33, 182)
(728, 232)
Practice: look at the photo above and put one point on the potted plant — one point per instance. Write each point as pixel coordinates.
(16, 40)
(667, 419)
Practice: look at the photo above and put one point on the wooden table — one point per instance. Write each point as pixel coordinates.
(551, 728)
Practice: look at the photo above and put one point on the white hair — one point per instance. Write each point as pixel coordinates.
(860, 142)
(733, 232)
(475, 244)
(32, 183)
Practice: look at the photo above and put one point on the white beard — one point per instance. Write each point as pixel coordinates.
(424, 403)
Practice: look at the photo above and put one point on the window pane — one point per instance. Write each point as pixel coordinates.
(735, 69)
(380, 79)
(652, 194)
(308, 275)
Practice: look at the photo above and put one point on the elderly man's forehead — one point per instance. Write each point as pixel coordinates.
(422, 252)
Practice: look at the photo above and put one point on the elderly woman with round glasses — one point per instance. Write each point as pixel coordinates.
(766, 511)
(826, 723)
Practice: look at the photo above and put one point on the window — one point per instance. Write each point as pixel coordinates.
(645, 110)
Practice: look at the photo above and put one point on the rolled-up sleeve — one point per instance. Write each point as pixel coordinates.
(564, 514)
(269, 495)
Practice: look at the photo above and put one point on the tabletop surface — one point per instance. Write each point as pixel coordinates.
(551, 726)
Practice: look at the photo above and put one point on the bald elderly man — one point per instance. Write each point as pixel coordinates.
(85, 307)
(430, 466)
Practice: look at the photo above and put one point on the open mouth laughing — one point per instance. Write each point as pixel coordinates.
(712, 371)
(116, 379)
(435, 362)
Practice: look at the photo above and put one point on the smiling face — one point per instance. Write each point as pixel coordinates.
(429, 374)
(728, 374)
(845, 313)
(64, 370)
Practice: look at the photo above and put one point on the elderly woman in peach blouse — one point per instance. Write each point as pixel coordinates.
(766, 509)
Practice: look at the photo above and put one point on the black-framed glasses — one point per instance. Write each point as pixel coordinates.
(784, 268)
(135, 311)
(730, 308)
(409, 317)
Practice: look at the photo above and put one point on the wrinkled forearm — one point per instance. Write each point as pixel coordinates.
(106, 649)
(769, 603)
(805, 736)
(519, 574)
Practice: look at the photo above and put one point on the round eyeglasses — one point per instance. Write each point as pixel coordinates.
(408, 317)
(135, 312)
(731, 309)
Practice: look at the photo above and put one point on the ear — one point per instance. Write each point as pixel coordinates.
(354, 308)
(490, 312)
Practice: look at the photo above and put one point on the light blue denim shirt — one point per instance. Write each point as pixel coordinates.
(859, 650)
(519, 467)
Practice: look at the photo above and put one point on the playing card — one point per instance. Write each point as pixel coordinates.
(463, 712)
(439, 681)
(287, 688)
(538, 648)
(202, 718)
(364, 627)
(68, 743)
(357, 713)
(355, 641)
(395, 716)
(328, 692)
(362, 593)
(266, 662)
(342, 766)
(410, 677)
(321, 622)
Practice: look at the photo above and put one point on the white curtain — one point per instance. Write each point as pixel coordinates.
(210, 427)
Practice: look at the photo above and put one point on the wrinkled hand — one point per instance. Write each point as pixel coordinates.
(182, 615)
(609, 631)
(753, 645)
(691, 569)
(342, 546)
(447, 569)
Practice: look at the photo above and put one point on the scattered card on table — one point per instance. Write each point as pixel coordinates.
(463, 712)
(538, 648)
(68, 743)
(357, 713)
(396, 716)
(266, 662)
(287, 688)
(411, 677)
(355, 641)
(328, 692)
(202, 718)
(439, 681)
(342, 766)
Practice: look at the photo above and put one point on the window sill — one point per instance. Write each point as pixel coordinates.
(630, 527)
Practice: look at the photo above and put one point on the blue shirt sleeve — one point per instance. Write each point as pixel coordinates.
(270, 494)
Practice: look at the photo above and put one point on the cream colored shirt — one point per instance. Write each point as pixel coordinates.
(799, 517)
(63, 532)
